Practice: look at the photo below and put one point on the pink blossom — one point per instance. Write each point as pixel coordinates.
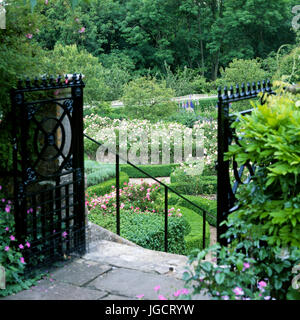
(157, 288)
(64, 234)
(21, 246)
(161, 297)
(0, 187)
(140, 296)
(6, 248)
(246, 266)
(22, 260)
(28, 35)
(46, 1)
(103, 206)
(238, 291)
(7, 228)
(225, 298)
(12, 238)
(262, 285)
(27, 244)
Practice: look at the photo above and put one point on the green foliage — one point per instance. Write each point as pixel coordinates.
(69, 59)
(270, 139)
(288, 67)
(243, 264)
(159, 170)
(106, 186)
(146, 230)
(145, 98)
(184, 82)
(193, 184)
(209, 206)
(194, 238)
(98, 172)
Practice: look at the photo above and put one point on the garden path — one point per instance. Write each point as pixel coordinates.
(112, 271)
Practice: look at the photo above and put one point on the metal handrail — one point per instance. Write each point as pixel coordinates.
(167, 188)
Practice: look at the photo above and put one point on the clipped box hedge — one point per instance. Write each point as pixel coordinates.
(200, 185)
(210, 206)
(106, 187)
(155, 170)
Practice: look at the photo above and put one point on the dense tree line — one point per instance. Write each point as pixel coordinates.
(145, 34)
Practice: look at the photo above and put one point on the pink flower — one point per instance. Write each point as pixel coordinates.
(238, 291)
(46, 1)
(22, 260)
(27, 244)
(7, 228)
(246, 266)
(262, 285)
(161, 297)
(157, 288)
(103, 206)
(6, 248)
(140, 296)
(21, 246)
(0, 187)
(64, 234)
(28, 35)
(225, 298)
(12, 238)
(82, 30)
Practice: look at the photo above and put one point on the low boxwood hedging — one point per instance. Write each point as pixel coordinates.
(156, 170)
(198, 185)
(96, 172)
(210, 206)
(146, 230)
(106, 187)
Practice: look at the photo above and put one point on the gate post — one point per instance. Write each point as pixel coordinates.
(223, 180)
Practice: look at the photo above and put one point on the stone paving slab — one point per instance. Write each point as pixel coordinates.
(80, 272)
(46, 290)
(137, 258)
(111, 271)
(130, 283)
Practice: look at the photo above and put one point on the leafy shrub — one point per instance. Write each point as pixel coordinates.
(210, 206)
(208, 104)
(247, 269)
(242, 71)
(144, 98)
(272, 200)
(146, 229)
(11, 257)
(139, 197)
(288, 68)
(106, 186)
(98, 172)
(185, 81)
(156, 170)
(186, 118)
(195, 185)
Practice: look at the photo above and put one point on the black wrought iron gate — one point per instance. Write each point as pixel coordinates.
(48, 161)
(226, 136)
